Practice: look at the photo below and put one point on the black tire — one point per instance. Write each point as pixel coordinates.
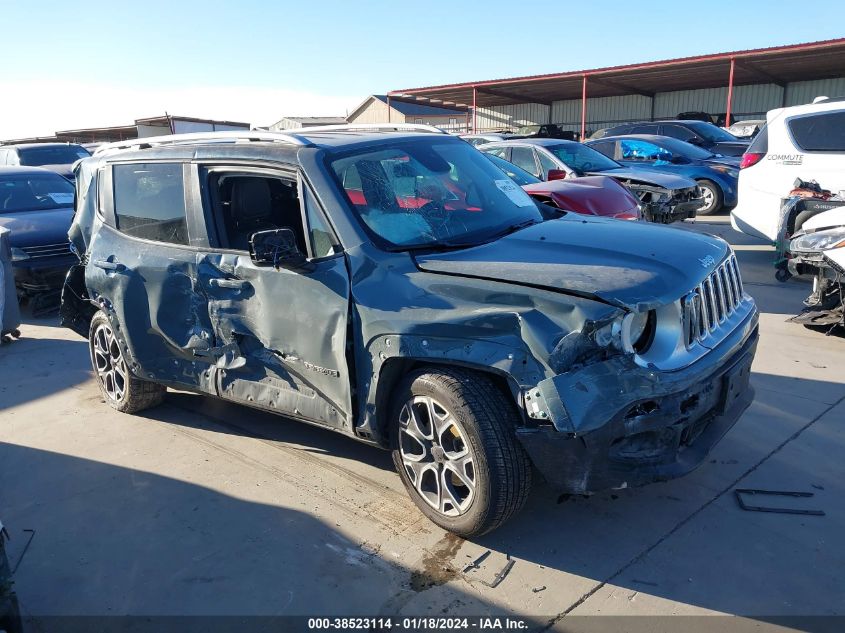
(487, 420)
(715, 194)
(120, 388)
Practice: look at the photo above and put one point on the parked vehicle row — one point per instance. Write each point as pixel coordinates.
(664, 197)
(36, 206)
(716, 175)
(401, 289)
(57, 157)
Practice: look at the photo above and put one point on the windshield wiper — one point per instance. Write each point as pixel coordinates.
(513, 228)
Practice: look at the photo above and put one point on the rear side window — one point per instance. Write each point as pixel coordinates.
(823, 132)
(760, 144)
(676, 131)
(149, 201)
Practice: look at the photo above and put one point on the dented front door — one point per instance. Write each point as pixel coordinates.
(282, 334)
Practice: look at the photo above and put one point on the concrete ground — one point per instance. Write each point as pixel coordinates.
(203, 507)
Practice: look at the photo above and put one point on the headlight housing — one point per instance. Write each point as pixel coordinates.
(638, 331)
(18, 254)
(819, 240)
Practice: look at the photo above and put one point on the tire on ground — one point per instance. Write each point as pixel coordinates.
(489, 419)
(137, 394)
(718, 197)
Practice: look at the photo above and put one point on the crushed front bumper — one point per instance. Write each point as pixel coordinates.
(615, 424)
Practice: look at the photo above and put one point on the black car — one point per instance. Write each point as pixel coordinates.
(57, 157)
(36, 205)
(400, 289)
(547, 130)
(705, 135)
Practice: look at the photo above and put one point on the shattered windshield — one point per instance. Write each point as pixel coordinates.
(517, 174)
(420, 193)
(582, 159)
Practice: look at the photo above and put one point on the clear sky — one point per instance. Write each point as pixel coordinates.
(90, 63)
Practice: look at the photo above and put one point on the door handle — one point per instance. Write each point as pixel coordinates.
(111, 266)
(231, 284)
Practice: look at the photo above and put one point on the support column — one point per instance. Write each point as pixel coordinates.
(730, 94)
(388, 108)
(584, 107)
(474, 113)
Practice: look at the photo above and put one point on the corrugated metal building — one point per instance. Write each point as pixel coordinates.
(748, 83)
(383, 109)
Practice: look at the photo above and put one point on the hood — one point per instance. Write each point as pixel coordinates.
(633, 265)
(730, 148)
(36, 228)
(593, 195)
(648, 177)
(65, 171)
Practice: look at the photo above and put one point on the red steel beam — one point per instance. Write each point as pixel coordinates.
(730, 94)
(584, 106)
(474, 119)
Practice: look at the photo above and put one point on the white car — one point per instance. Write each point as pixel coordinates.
(807, 142)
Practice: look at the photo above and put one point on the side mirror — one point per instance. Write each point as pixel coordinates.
(676, 159)
(276, 248)
(556, 174)
(694, 140)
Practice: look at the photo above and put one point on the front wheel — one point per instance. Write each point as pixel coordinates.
(120, 388)
(712, 194)
(456, 451)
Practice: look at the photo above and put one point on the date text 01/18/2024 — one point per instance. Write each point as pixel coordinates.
(481, 623)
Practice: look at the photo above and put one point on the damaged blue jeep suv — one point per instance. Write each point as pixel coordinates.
(397, 287)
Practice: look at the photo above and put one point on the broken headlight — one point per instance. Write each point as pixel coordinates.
(632, 332)
(820, 240)
(637, 331)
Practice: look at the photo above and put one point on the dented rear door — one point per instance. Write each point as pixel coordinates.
(142, 269)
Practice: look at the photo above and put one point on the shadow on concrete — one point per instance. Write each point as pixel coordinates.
(32, 368)
(111, 540)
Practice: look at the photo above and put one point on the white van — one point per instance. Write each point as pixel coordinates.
(807, 142)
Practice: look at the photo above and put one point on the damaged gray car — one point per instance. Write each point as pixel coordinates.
(400, 289)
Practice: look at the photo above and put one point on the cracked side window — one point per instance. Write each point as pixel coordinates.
(149, 201)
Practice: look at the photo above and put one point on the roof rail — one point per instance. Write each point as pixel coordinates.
(200, 137)
(373, 127)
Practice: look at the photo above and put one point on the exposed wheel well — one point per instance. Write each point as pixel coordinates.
(395, 369)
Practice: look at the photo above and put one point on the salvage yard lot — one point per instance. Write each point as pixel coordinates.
(204, 507)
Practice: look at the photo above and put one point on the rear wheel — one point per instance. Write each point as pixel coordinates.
(712, 194)
(455, 447)
(120, 388)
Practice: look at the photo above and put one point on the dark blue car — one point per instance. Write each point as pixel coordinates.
(36, 205)
(716, 175)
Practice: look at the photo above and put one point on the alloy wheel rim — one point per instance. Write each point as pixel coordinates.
(436, 456)
(708, 196)
(109, 363)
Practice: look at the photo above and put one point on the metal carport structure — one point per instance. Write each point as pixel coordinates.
(778, 65)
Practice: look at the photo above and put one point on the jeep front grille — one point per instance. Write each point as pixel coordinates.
(709, 305)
